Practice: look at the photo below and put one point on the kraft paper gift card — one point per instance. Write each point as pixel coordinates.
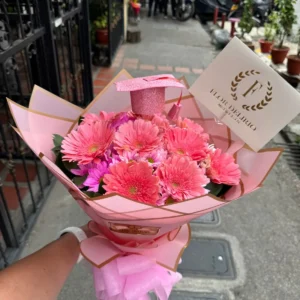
(246, 95)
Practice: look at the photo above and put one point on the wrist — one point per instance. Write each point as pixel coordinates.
(79, 234)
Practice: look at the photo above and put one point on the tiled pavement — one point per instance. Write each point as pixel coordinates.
(180, 56)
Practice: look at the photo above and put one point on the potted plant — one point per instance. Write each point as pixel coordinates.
(101, 30)
(246, 23)
(271, 28)
(287, 18)
(293, 65)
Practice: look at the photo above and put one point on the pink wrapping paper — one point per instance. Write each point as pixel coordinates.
(124, 225)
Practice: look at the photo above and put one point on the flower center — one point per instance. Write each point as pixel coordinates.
(139, 145)
(93, 148)
(133, 190)
(180, 151)
(175, 184)
(150, 160)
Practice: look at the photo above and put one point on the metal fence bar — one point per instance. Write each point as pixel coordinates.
(84, 28)
(49, 40)
(7, 226)
(37, 52)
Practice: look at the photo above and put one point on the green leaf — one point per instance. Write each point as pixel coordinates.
(80, 120)
(170, 200)
(79, 180)
(214, 188)
(224, 190)
(70, 165)
(57, 140)
(56, 150)
(92, 194)
(59, 162)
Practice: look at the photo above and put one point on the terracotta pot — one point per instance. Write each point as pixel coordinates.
(293, 65)
(102, 36)
(250, 45)
(279, 54)
(265, 46)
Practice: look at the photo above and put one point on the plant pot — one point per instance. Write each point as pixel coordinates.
(250, 45)
(293, 65)
(265, 46)
(102, 36)
(279, 54)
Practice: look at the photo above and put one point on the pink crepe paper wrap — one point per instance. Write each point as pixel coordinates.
(158, 233)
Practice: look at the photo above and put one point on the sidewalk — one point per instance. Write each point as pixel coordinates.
(167, 46)
(261, 231)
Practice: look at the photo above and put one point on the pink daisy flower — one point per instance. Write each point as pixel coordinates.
(95, 175)
(221, 168)
(189, 124)
(181, 178)
(155, 158)
(129, 156)
(186, 142)
(134, 180)
(87, 143)
(161, 121)
(139, 135)
(92, 118)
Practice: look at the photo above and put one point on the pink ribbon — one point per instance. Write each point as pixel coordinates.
(129, 271)
(132, 277)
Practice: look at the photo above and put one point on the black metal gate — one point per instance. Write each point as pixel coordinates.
(44, 42)
(107, 17)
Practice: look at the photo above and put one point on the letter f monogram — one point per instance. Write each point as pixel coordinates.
(252, 88)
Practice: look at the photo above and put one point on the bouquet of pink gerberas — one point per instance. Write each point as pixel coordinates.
(142, 160)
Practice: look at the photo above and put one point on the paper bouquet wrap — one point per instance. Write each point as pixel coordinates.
(137, 246)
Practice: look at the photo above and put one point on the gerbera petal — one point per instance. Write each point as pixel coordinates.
(222, 168)
(182, 178)
(133, 180)
(87, 143)
(139, 135)
(186, 142)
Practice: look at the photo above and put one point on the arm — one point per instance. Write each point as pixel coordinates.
(42, 274)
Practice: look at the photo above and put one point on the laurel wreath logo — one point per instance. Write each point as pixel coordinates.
(259, 106)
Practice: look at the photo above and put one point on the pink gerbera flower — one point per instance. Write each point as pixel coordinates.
(134, 180)
(181, 178)
(92, 118)
(95, 175)
(221, 168)
(139, 135)
(87, 143)
(161, 121)
(186, 142)
(189, 124)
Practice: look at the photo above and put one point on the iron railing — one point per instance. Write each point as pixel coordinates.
(111, 16)
(44, 42)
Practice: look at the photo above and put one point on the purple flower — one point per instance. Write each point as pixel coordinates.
(83, 170)
(95, 175)
(119, 119)
(111, 157)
